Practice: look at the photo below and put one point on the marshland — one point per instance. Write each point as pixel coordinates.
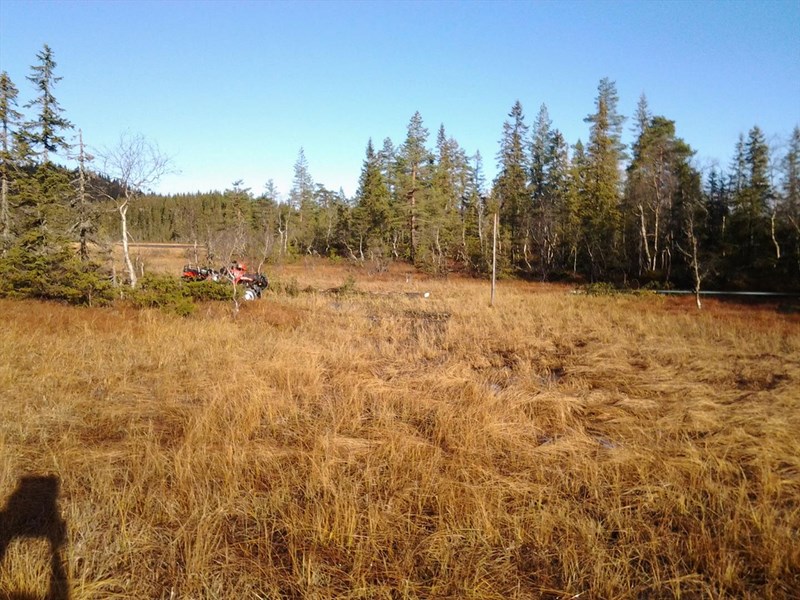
(366, 444)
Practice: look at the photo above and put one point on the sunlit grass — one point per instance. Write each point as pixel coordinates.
(380, 446)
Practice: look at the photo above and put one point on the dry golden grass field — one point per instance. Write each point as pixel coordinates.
(374, 445)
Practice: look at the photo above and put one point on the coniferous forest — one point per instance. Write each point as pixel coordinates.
(596, 210)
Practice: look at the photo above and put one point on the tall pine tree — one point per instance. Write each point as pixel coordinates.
(601, 213)
(372, 211)
(9, 121)
(414, 162)
(46, 132)
(510, 191)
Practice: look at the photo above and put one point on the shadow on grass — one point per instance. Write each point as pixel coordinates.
(31, 511)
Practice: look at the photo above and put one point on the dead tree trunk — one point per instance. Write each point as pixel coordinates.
(126, 255)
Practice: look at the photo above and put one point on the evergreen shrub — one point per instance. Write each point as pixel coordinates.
(40, 266)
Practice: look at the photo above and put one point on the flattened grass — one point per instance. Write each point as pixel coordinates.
(392, 447)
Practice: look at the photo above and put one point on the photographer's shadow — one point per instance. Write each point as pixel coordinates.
(31, 511)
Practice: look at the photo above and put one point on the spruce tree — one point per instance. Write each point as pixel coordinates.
(543, 209)
(301, 200)
(440, 229)
(790, 199)
(476, 249)
(372, 211)
(387, 160)
(557, 191)
(602, 217)
(539, 153)
(573, 217)
(750, 218)
(46, 132)
(9, 120)
(642, 118)
(738, 168)
(414, 177)
(391, 165)
(717, 198)
(510, 190)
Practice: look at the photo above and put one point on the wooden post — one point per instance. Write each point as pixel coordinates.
(494, 259)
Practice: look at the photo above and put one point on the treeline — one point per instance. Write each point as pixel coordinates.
(597, 211)
(593, 211)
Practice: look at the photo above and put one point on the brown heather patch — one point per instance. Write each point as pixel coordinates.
(373, 446)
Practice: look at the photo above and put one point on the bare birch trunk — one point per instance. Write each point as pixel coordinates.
(645, 243)
(775, 239)
(123, 214)
(696, 271)
(5, 215)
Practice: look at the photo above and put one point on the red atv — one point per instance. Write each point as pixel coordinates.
(195, 273)
(255, 283)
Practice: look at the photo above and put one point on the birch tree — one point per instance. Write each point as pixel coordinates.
(653, 181)
(136, 164)
(84, 213)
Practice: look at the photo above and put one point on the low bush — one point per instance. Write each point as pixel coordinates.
(600, 289)
(207, 291)
(41, 266)
(162, 291)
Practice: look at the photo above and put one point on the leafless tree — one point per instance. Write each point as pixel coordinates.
(136, 164)
(692, 254)
(80, 202)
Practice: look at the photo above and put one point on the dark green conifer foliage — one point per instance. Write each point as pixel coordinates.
(391, 168)
(41, 265)
(539, 153)
(738, 168)
(371, 214)
(510, 191)
(440, 219)
(10, 119)
(387, 160)
(642, 117)
(752, 255)
(558, 190)
(46, 132)
(790, 203)
(718, 200)
(301, 200)
(474, 220)
(548, 185)
(414, 162)
(327, 203)
(602, 221)
(653, 185)
(573, 214)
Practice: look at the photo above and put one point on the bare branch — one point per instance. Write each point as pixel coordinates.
(136, 164)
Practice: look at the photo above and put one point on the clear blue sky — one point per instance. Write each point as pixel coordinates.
(233, 89)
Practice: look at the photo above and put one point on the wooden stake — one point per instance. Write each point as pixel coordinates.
(494, 259)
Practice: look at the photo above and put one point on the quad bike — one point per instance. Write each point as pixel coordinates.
(194, 273)
(254, 283)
